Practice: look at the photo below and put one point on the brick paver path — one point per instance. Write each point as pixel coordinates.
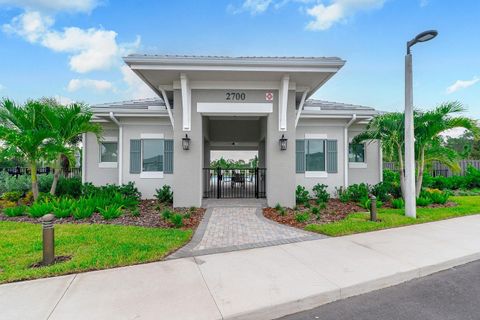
(234, 228)
(238, 226)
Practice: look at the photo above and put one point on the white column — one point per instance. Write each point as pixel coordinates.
(410, 197)
(283, 103)
(186, 103)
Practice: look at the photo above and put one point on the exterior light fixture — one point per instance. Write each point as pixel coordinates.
(283, 143)
(410, 200)
(421, 37)
(186, 142)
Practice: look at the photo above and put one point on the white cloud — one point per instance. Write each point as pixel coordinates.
(65, 101)
(260, 6)
(30, 25)
(256, 6)
(53, 5)
(325, 16)
(97, 85)
(137, 89)
(462, 84)
(90, 49)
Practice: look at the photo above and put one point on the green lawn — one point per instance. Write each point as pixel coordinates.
(92, 247)
(390, 218)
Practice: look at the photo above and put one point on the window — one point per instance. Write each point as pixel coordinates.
(356, 152)
(152, 155)
(315, 155)
(108, 151)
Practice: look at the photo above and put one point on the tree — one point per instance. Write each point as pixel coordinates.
(26, 134)
(429, 126)
(389, 129)
(68, 123)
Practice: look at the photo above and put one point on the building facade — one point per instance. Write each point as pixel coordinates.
(225, 103)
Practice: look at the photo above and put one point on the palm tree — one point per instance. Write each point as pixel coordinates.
(389, 129)
(25, 133)
(68, 123)
(429, 126)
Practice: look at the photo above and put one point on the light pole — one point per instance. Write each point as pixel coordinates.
(410, 194)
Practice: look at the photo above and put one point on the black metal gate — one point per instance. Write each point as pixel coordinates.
(234, 183)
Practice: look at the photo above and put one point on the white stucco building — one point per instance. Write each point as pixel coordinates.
(231, 103)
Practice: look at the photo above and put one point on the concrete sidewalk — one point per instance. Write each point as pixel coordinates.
(261, 283)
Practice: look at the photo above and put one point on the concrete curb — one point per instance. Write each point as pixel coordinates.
(314, 301)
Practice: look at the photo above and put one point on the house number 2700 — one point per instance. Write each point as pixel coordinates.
(235, 96)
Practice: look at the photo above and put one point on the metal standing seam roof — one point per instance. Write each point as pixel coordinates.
(143, 104)
(223, 58)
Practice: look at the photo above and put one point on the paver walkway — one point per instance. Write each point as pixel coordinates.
(237, 227)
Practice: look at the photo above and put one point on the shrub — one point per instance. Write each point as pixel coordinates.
(7, 204)
(63, 207)
(13, 196)
(358, 191)
(472, 177)
(302, 217)
(83, 208)
(342, 194)
(278, 207)
(383, 191)
(11, 183)
(398, 203)
(193, 209)
(435, 195)
(316, 212)
(322, 205)
(39, 209)
(69, 187)
(320, 191)
(301, 195)
(282, 211)
(164, 194)
(423, 201)
(366, 203)
(111, 212)
(28, 199)
(177, 220)
(45, 197)
(15, 211)
(135, 212)
(127, 190)
(166, 214)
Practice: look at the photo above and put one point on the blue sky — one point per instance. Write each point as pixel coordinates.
(72, 49)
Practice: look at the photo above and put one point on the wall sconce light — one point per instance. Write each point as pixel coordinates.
(186, 142)
(283, 143)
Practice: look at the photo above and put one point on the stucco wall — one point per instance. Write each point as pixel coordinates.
(132, 129)
(334, 131)
(371, 174)
(94, 173)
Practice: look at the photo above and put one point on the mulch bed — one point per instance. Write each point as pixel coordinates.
(335, 211)
(150, 216)
(56, 260)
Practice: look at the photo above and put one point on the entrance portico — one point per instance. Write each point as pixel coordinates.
(198, 91)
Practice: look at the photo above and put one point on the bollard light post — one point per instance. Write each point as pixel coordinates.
(48, 239)
(373, 208)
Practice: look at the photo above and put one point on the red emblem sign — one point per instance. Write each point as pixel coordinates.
(269, 96)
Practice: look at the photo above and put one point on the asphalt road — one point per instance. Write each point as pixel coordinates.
(452, 294)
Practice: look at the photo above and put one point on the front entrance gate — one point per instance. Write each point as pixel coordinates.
(234, 183)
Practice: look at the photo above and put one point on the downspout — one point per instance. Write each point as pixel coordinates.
(120, 148)
(346, 149)
(167, 104)
(300, 106)
(84, 160)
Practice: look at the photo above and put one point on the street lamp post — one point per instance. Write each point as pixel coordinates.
(410, 194)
